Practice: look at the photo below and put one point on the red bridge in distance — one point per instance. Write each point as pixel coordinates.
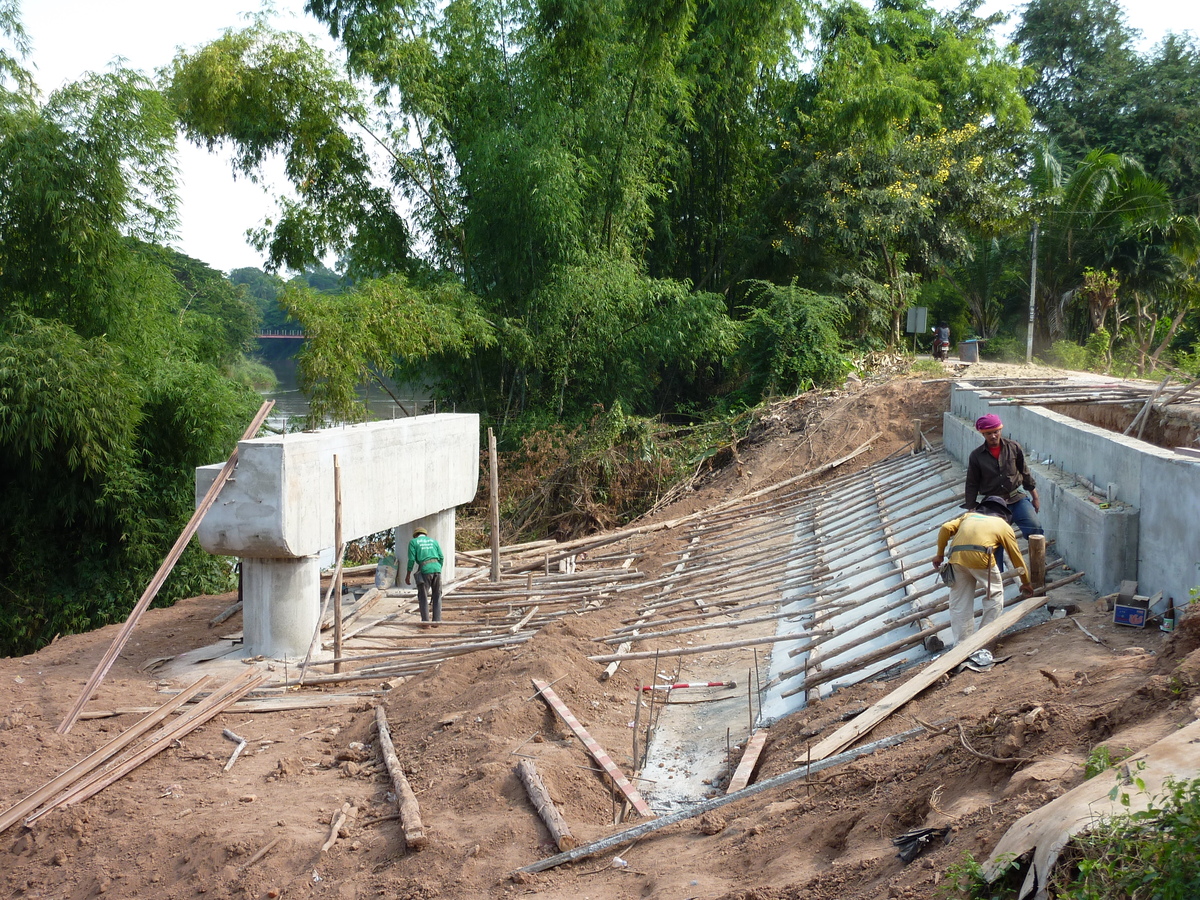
(281, 334)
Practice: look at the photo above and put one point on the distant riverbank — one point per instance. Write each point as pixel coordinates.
(291, 403)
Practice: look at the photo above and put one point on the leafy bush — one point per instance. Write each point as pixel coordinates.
(1067, 355)
(1099, 350)
(792, 339)
(1146, 855)
(1003, 348)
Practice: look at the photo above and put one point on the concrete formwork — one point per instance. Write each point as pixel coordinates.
(277, 513)
(1150, 533)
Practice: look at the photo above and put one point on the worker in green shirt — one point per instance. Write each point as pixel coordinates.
(425, 555)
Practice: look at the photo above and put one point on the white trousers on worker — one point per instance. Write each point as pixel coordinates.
(962, 599)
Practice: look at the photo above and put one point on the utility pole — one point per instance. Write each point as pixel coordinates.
(1032, 297)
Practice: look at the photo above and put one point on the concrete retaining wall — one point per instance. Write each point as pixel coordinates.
(1151, 533)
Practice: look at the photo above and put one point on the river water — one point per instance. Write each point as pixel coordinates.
(291, 404)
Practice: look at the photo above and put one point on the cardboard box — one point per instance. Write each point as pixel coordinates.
(1131, 612)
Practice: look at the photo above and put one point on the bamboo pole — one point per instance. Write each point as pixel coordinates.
(545, 806)
(160, 576)
(406, 800)
(917, 615)
(337, 575)
(29, 803)
(866, 721)
(705, 648)
(704, 806)
(205, 710)
(570, 547)
(1144, 414)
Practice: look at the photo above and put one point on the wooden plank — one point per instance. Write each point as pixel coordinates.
(160, 576)
(754, 748)
(864, 722)
(597, 752)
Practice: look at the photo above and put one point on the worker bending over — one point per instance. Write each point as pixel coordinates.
(977, 535)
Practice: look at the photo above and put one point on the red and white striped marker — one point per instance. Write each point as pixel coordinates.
(598, 753)
(691, 684)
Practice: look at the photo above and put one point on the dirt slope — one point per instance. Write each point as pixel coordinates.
(179, 826)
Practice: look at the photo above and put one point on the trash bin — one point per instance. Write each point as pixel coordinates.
(968, 351)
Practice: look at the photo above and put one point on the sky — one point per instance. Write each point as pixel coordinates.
(71, 37)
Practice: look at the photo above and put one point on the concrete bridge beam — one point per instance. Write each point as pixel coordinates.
(277, 513)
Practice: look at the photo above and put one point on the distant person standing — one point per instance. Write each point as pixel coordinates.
(997, 468)
(425, 555)
(977, 538)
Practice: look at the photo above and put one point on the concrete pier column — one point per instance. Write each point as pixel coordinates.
(281, 621)
(440, 526)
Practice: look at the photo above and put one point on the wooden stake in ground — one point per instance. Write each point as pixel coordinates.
(1037, 560)
(406, 801)
(598, 753)
(494, 505)
(545, 806)
(337, 576)
(160, 576)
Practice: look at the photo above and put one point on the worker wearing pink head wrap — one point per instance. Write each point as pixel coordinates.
(997, 468)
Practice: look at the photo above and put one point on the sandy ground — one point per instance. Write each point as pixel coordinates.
(180, 826)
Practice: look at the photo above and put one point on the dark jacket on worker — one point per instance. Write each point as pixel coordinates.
(1005, 476)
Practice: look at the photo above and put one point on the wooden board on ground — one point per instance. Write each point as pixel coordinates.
(745, 769)
(851, 732)
(598, 753)
(1045, 831)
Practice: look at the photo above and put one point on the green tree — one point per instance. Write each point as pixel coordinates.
(738, 68)
(1081, 53)
(901, 150)
(1109, 216)
(793, 339)
(529, 141)
(110, 353)
(1158, 120)
(263, 291)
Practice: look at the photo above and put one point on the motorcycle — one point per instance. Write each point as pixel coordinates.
(941, 347)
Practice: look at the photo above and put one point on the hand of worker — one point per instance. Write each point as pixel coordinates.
(937, 562)
(408, 577)
(1027, 590)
